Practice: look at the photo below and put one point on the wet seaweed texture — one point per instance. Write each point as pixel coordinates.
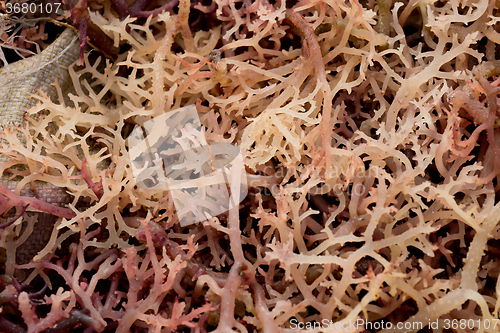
(371, 145)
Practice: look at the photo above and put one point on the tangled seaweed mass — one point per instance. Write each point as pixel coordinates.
(370, 141)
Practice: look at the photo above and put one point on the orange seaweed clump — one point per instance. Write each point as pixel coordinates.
(371, 167)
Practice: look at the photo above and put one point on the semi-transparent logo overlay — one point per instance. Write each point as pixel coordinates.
(170, 152)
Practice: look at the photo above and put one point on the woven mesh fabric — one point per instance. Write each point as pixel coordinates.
(19, 81)
(24, 78)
